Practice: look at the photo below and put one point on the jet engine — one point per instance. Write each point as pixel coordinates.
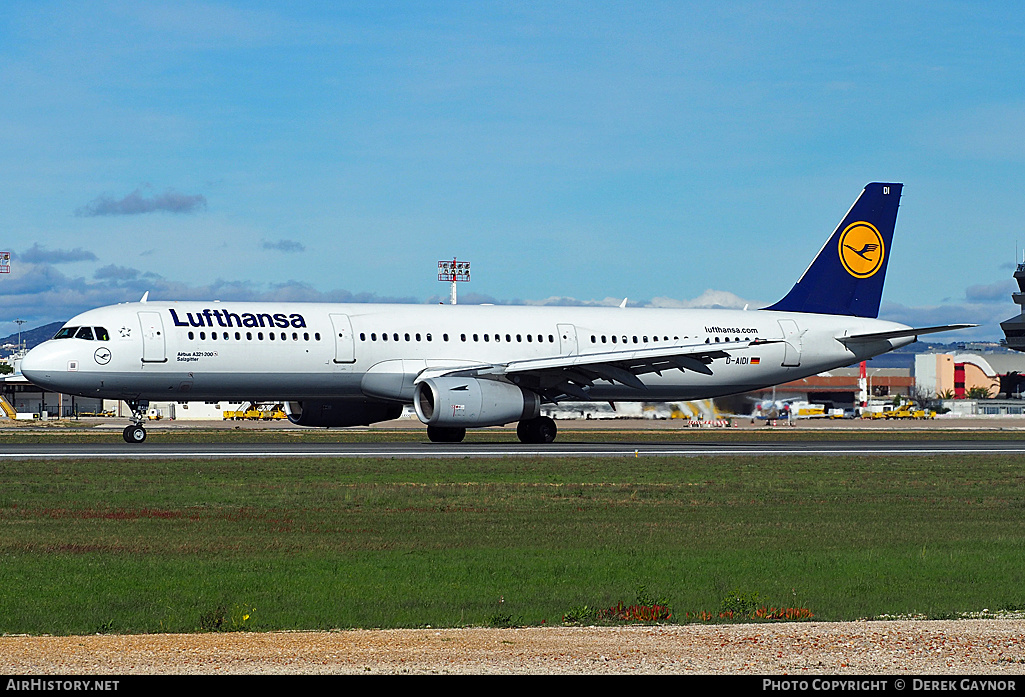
(341, 412)
(472, 402)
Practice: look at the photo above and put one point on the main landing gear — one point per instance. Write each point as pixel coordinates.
(134, 432)
(541, 429)
(445, 434)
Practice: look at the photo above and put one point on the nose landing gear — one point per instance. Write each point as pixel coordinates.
(135, 432)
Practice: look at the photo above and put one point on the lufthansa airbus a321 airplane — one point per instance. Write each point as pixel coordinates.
(471, 366)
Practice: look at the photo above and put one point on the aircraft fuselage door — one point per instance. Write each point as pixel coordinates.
(345, 344)
(568, 339)
(152, 338)
(791, 343)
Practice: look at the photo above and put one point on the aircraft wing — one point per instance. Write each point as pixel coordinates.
(559, 377)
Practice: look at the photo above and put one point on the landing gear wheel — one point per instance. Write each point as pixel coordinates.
(134, 434)
(443, 434)
(538, 430)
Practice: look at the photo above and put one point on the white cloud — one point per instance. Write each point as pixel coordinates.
(284, 246)
(987, 316)
(137, 203)
(40, 255)
(709, 299)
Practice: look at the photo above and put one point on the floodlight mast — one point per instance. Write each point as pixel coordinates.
(20, 322)
(454, 272)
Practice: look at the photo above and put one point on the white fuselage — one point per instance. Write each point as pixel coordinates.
(293, 351)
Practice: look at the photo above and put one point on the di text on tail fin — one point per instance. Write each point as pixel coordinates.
(846, 278)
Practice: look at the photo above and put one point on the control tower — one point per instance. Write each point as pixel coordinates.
(1014, 328)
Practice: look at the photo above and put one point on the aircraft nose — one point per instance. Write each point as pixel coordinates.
(39, 365)
(30, 363)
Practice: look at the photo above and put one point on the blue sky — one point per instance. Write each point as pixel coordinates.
(677, 154)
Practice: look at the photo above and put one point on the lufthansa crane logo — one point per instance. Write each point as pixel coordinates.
(102, 355)
(861, 249)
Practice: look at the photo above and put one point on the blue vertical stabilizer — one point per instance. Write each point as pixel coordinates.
(846, 278)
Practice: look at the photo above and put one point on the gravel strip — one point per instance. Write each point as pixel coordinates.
(879, 647)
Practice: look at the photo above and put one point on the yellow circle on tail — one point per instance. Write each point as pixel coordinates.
(861, 249)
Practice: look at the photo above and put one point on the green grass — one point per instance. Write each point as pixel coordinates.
(147, 546)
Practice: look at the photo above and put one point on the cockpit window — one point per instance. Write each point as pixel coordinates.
(87, 333)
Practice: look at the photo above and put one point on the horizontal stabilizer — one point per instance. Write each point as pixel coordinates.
(898, 333)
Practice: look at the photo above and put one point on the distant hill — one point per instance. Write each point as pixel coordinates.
(33, 337)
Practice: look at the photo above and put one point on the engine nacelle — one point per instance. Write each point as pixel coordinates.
(341, 412)
(472, 402)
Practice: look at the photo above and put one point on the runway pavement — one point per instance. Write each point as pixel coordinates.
(576, 439)
(425, 449)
